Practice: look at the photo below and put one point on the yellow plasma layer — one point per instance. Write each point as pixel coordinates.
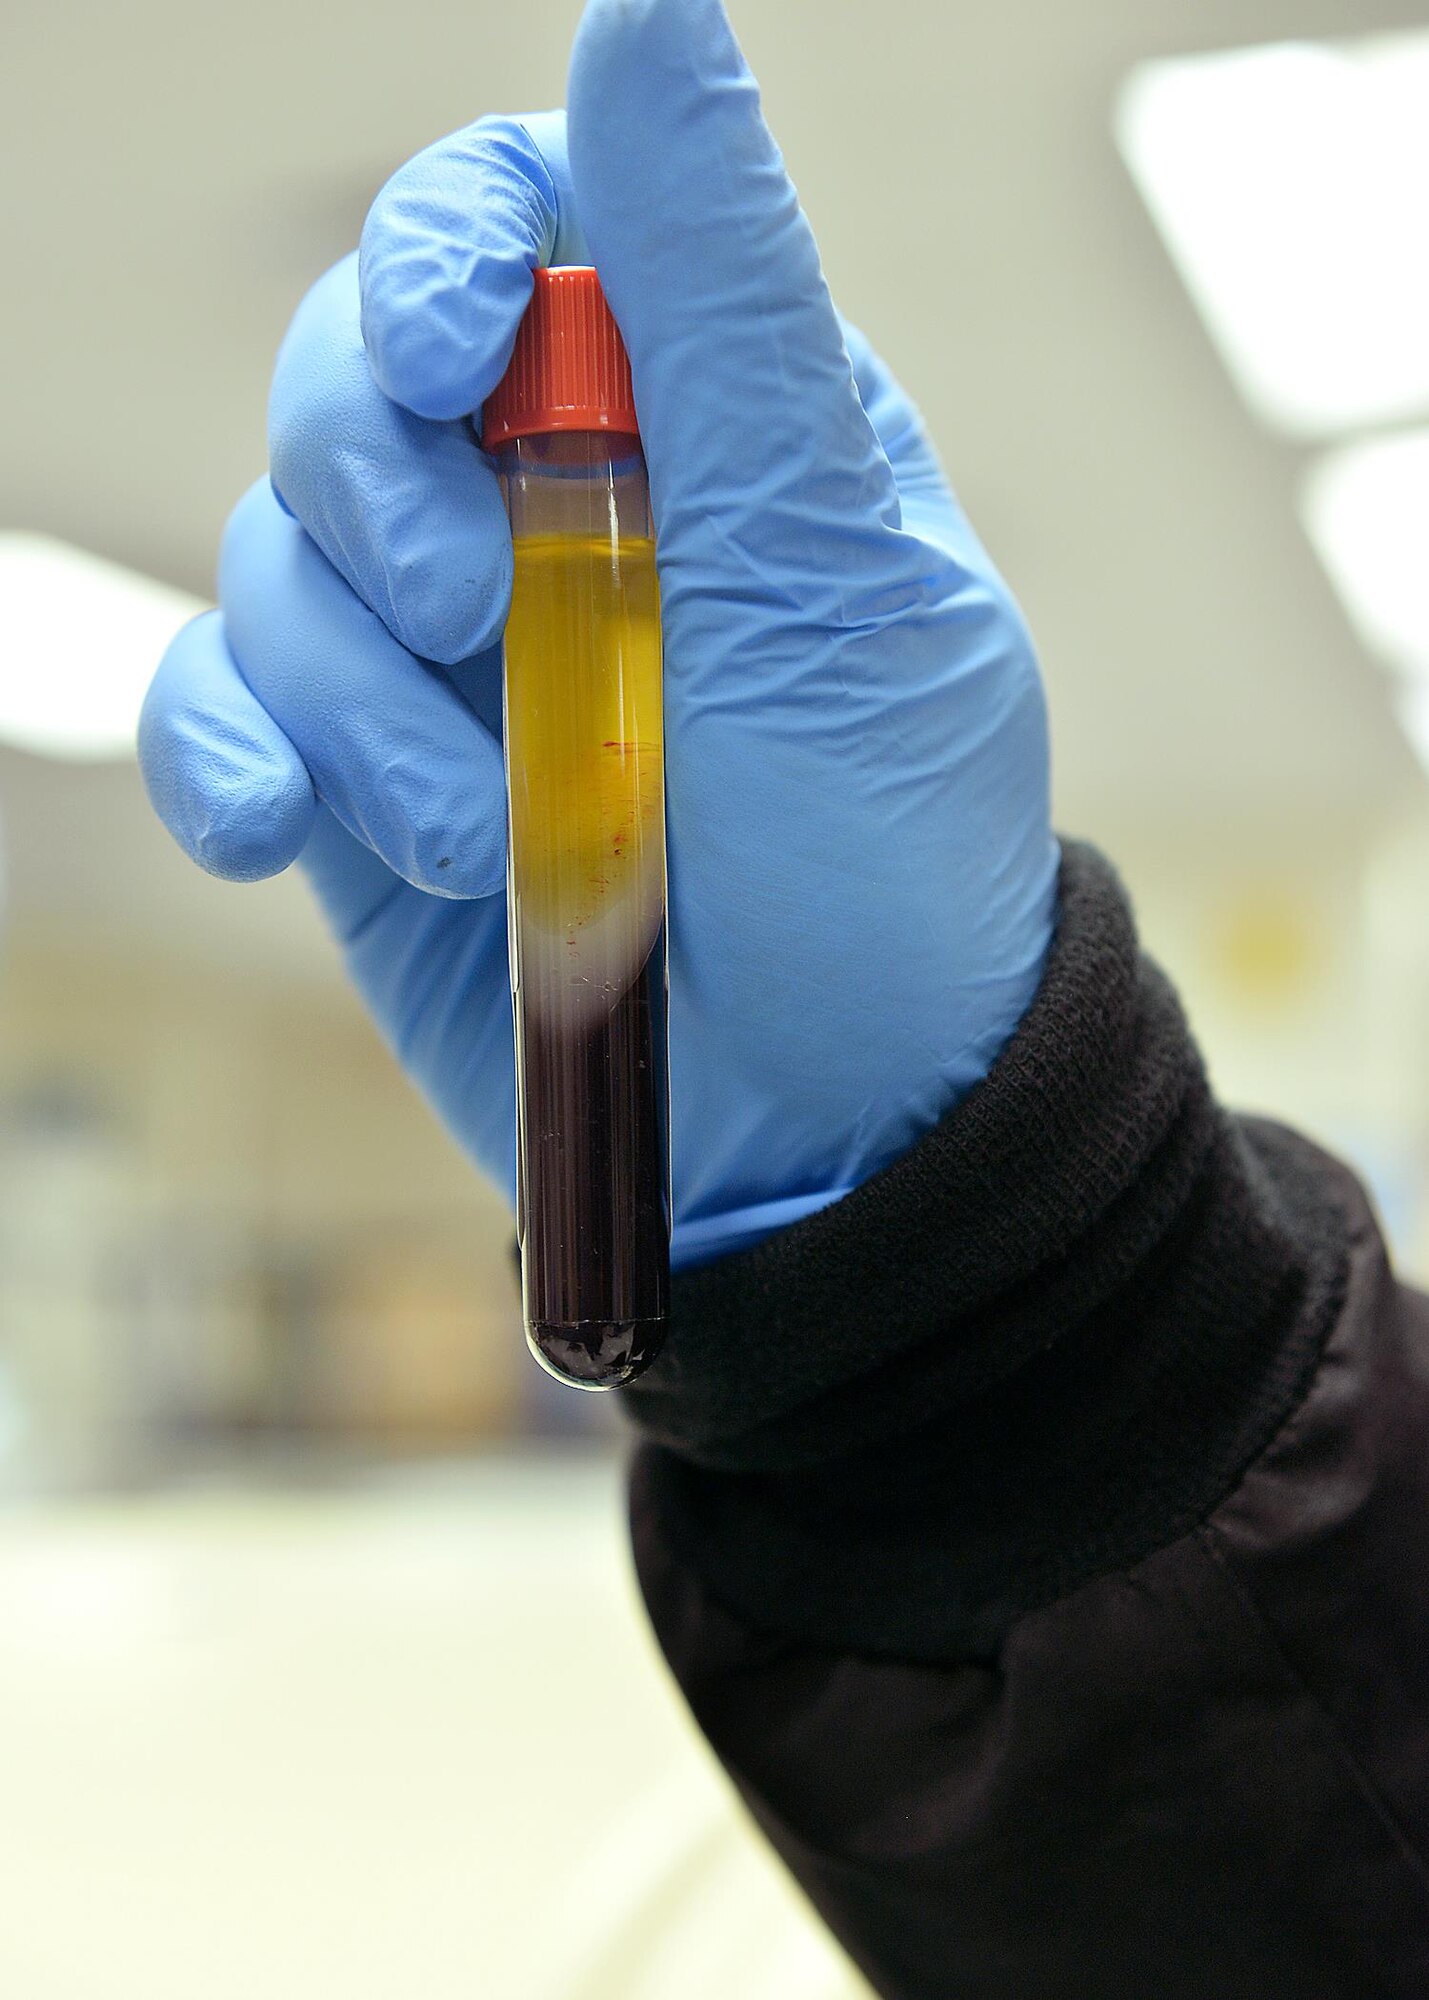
(585, 758)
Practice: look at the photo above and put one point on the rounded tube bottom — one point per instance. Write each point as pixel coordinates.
(596, 1354)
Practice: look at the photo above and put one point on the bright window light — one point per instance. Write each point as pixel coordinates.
(1366, 509)
(79, 641)
(1289, 183)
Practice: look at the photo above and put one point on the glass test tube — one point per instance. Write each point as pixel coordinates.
(586, 882)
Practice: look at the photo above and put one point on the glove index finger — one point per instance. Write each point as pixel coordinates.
(447, 255)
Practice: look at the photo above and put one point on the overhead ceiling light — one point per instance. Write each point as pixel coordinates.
(1366, 509)
(79, 641)
(1288, 182)
(1413, 708)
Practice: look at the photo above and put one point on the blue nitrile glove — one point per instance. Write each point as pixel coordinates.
(862, 873)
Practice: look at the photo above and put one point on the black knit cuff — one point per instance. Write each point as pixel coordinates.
(1042, 1343)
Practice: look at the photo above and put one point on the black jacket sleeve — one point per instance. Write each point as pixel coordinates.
(1041, 1534)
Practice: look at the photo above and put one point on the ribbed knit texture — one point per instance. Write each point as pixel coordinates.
(1043, 1343)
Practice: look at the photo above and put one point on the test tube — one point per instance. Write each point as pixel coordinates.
(586, 870)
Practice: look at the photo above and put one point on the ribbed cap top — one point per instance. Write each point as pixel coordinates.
(568, 370)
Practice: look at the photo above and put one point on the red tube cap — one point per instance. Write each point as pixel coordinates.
(568, 370)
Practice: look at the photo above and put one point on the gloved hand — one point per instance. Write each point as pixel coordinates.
(862, 873)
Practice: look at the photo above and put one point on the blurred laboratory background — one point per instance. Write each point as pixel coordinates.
(279, 1474)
